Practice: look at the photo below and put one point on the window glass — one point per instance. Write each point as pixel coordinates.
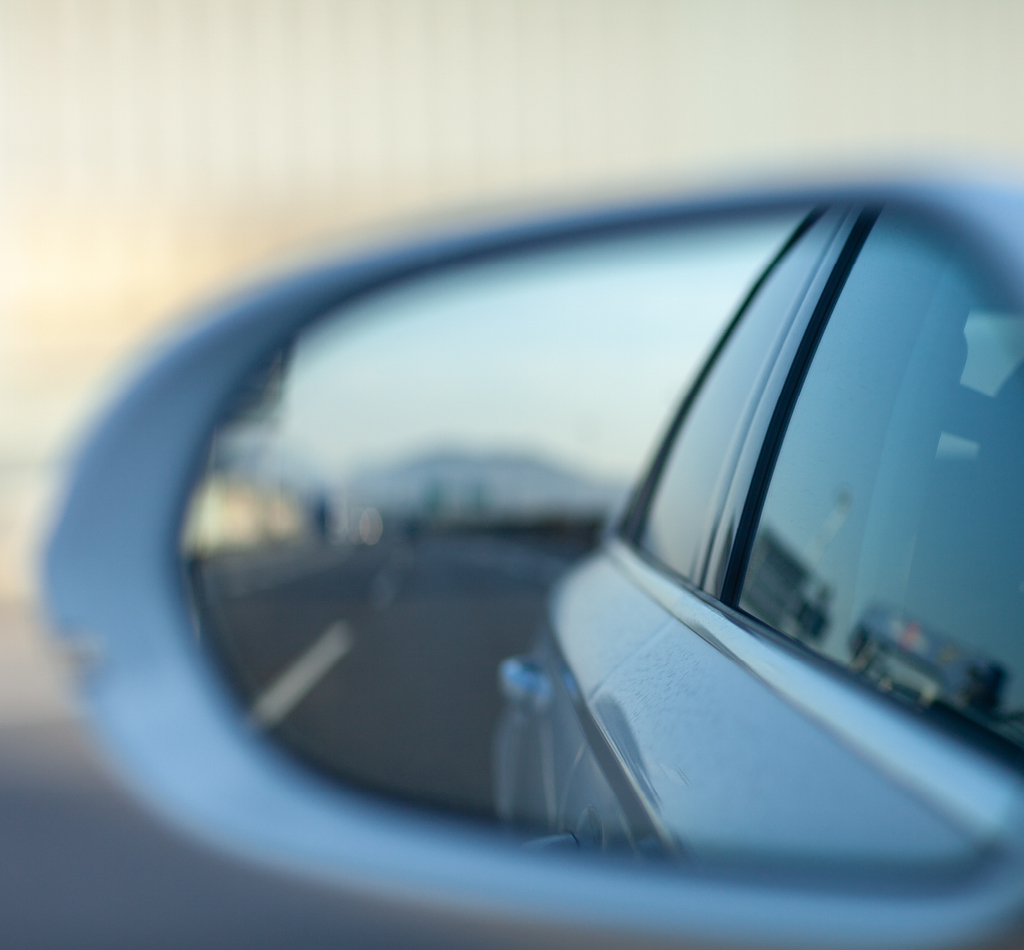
(892, 533)
(678, 519)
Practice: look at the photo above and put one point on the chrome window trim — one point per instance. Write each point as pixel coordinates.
(973, 789)
(632, 524)
(737, 478)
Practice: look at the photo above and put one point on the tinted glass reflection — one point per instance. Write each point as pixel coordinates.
(683, 509)
(892, 535)
(380, 527)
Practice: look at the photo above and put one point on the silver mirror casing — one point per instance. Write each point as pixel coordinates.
(113, 576)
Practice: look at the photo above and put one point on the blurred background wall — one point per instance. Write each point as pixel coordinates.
(151, 151)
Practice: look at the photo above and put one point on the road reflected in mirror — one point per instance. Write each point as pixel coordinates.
(381, 524)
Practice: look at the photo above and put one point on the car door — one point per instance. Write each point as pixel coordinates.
(801, 643)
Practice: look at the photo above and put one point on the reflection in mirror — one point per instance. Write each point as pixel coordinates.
(380, 526)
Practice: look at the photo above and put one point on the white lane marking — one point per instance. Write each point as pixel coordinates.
(294, 684)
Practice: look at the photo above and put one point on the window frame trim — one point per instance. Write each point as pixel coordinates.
(756, 489)
(733, 480)
(630, 526)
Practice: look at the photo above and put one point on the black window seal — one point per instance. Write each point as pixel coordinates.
(765, 467)
(631, 526)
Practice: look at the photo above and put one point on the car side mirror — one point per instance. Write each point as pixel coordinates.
(316, 540)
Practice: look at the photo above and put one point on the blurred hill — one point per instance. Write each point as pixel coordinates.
(493, 486)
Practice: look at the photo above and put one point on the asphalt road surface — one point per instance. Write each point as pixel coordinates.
(379, 663)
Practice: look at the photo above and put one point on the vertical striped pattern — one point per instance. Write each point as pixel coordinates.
(354, 104)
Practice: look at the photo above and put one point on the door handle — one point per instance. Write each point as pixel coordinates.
(522, 680)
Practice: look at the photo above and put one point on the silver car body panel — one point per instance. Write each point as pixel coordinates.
(674, 698)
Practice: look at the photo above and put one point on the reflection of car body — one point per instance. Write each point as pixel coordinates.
(724, 682)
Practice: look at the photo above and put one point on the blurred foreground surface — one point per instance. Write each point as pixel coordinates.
(83, 865)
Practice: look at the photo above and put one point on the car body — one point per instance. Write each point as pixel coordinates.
(827, 764)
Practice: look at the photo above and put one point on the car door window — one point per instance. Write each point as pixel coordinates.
(679, 519)
(891, 537)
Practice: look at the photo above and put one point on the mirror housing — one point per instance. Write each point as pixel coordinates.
(114, 579)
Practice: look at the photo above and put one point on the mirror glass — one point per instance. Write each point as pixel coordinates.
(381, 523)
